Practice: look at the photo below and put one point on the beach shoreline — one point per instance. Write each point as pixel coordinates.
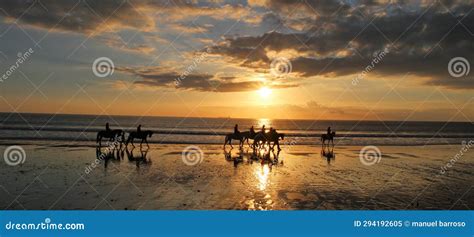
(302, 178)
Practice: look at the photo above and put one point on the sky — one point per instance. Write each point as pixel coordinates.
(328, 59)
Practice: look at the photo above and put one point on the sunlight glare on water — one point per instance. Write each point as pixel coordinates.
(262, 175)
(264, 121)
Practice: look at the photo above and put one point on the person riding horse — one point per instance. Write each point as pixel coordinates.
(116, 134)
(267, 138)
(328, 136)
(139, 134)
(237, 135)
(252, 132)
(248, 135)
(236, 129)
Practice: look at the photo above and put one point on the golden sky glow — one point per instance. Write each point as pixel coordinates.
(252, 59)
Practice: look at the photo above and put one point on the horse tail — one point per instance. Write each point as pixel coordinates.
(98, 138)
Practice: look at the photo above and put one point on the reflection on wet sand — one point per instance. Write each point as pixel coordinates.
(241, 181)
(262, 162)
(108, 154)
(328, 154)
(117, 153)
(262, 175)
(140, 158)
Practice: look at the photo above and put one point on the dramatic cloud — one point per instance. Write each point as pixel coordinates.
(77, 16)
(327, 38)
(89, 16)
(169, 78)
(420, 40)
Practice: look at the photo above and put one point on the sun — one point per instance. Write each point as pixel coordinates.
(264, 92)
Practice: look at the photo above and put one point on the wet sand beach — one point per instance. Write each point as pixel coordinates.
(58, 176)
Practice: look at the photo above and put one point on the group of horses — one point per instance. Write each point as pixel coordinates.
(260, 139)
(270, 138)
(118, 135)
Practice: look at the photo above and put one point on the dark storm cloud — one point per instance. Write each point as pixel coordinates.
(421, 41)
(85, 16)
(76, 16)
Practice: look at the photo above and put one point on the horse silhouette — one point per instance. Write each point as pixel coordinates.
(143, 135)
(248, 135)
(111, 135)
(233, 136)
(329, 137)
(267, 138)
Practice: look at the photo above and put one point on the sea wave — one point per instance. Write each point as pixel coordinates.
(309, 133)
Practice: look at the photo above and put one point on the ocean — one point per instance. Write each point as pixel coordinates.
(82, 129)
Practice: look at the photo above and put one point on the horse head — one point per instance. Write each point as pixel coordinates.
(150, 133)
(282, 136)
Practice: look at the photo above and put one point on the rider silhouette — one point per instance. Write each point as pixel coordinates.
(272, 131)
(329, 130)
(236, 129)
(263, 129)
(139, 129)
(107, 127)
(252, 131)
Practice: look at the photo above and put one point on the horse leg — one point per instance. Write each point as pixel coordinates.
(146, 141)
(122, 140)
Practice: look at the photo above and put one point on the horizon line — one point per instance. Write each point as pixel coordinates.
(222, 117)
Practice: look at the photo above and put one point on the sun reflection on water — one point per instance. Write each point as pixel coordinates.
(264, 121)
(262, 175)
